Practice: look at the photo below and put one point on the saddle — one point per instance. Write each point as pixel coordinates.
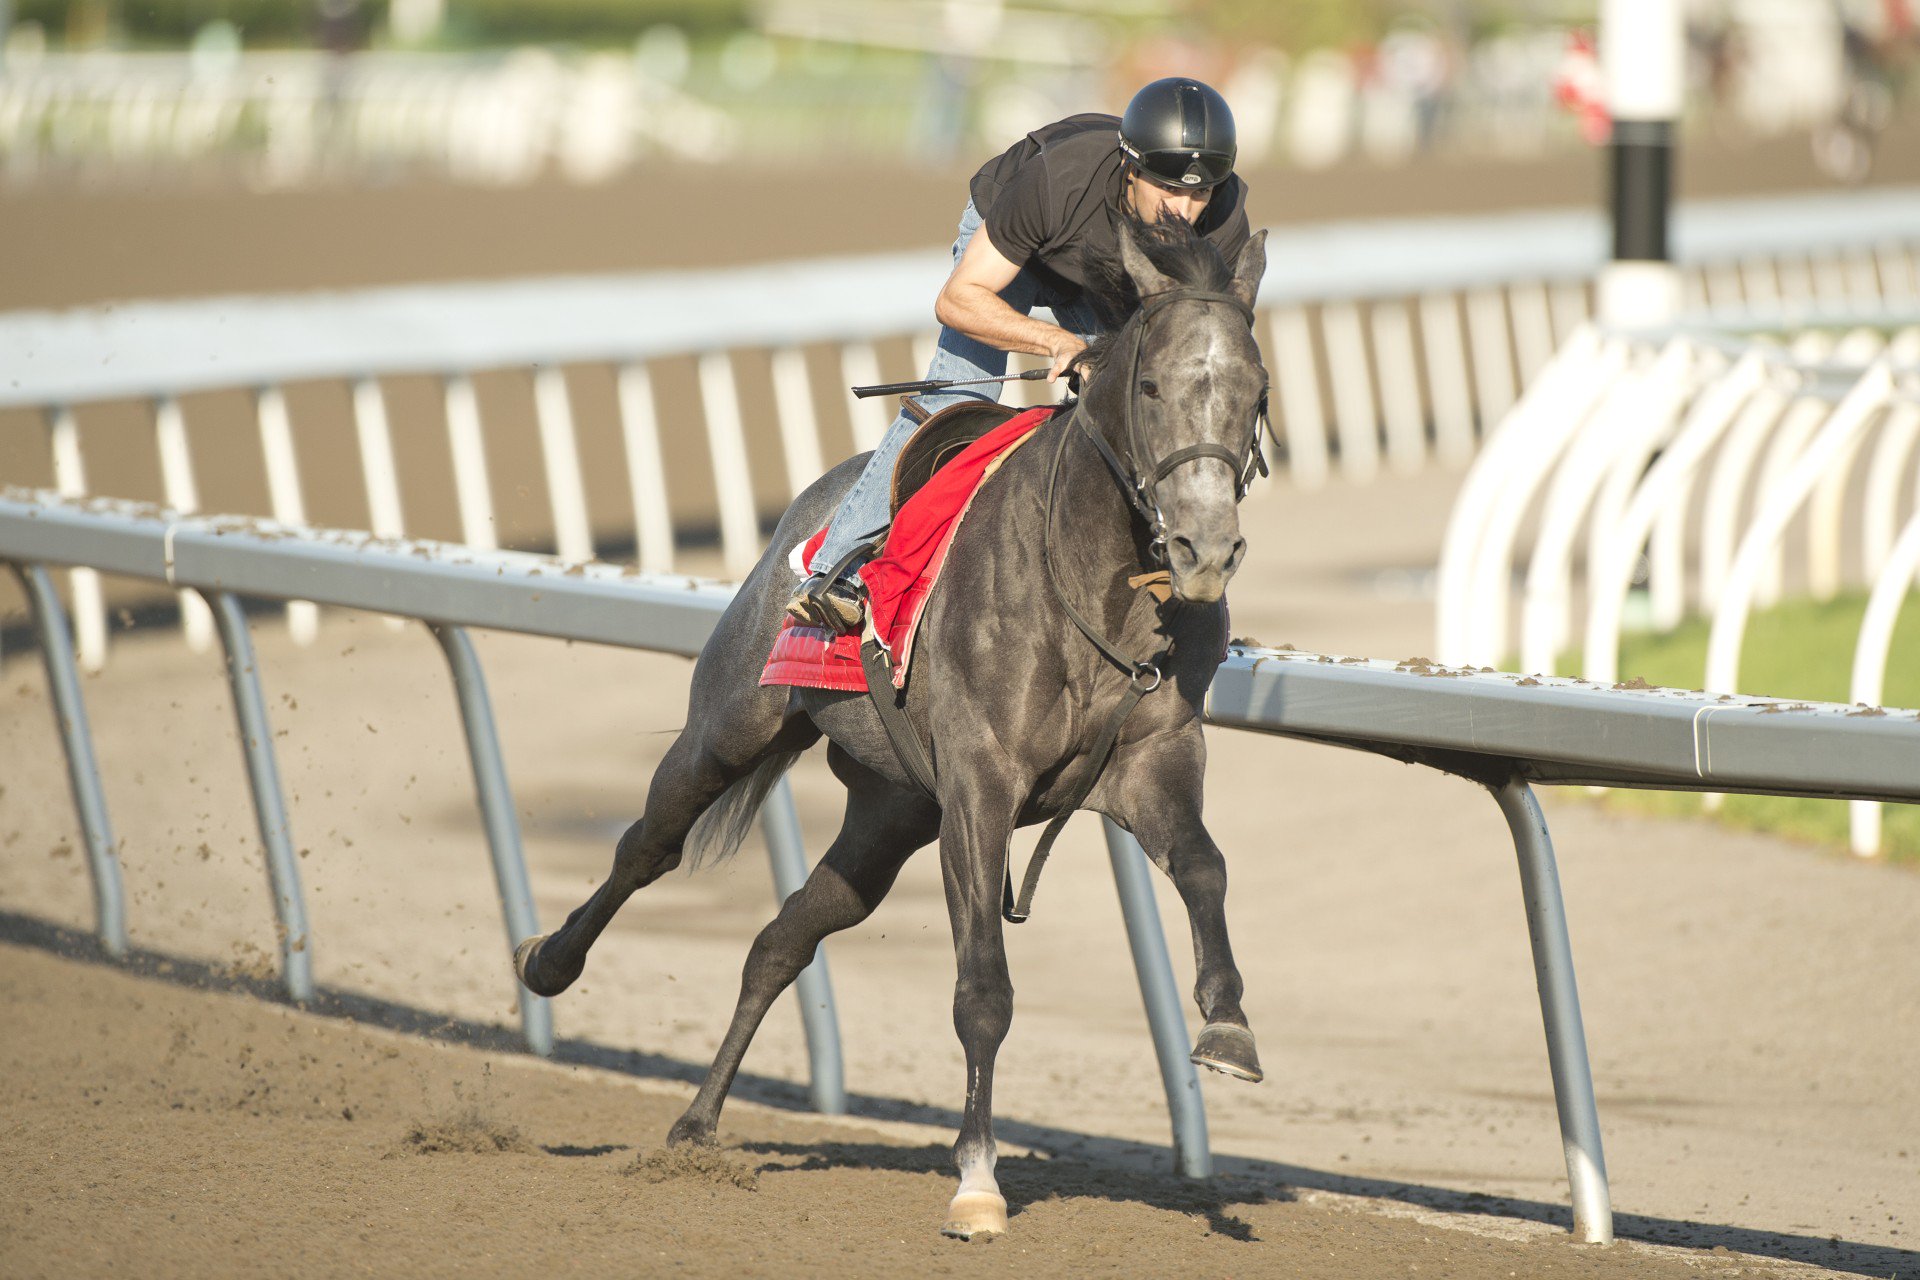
(940, 439)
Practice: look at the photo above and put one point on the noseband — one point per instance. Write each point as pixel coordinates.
(1142, 481)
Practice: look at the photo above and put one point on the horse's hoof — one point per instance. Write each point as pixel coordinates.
(525, 956)
(976, 1214)
(1228, 1049)
(689, 1132)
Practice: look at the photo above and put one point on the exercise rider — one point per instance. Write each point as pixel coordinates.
(1043, 220)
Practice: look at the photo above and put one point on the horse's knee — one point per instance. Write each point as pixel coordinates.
(983, 1009)
(1200, 874)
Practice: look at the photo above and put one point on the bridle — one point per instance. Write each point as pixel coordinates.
(1141, 484)
(1140, 481)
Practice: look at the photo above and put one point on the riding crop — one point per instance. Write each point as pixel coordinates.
(940, 384)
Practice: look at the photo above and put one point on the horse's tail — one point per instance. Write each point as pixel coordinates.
(718, 833)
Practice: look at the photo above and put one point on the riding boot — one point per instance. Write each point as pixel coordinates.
(837, 604)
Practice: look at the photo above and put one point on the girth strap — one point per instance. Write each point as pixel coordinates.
(893, 717)
(1143, 677)
(1016, 910)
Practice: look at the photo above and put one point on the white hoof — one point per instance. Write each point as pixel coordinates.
(976, 1213)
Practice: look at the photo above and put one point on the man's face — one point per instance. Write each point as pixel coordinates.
(1153, 202)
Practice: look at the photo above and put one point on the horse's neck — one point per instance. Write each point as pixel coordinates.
(1094, 539)
(1105, 404)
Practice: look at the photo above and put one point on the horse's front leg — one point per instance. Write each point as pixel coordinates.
(1154, 790)
(974, 831)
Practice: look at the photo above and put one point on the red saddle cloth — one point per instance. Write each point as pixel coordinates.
(901, 578)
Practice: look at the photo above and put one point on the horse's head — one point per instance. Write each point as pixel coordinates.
(1186, 378)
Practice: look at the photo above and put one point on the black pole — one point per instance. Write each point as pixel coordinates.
(1643, 60)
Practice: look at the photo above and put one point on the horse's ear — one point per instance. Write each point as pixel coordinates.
(1251, 267)
(1146, 277)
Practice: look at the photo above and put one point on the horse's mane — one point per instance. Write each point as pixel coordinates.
(1176, 250)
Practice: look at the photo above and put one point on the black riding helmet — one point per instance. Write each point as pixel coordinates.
(1179, 132)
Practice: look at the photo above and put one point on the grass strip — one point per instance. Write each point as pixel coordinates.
(1799, 649)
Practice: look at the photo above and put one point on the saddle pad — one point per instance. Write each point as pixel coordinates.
(902, 577)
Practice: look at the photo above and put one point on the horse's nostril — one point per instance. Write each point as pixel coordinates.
(1233, 557)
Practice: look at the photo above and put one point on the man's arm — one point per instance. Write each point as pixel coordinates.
(970, 302)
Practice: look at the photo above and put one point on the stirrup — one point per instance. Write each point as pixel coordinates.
(829, 603)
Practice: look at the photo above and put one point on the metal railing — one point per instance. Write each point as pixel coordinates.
(448, 587)
(1390, 343)
(1498, 730)
(1628, 442)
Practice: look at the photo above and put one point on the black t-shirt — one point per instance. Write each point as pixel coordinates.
(1052, 203)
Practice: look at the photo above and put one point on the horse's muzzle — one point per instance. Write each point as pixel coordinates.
(1200, 565)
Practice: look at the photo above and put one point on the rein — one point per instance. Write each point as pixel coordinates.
(1143, 674)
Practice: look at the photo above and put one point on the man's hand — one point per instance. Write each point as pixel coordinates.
(971, 303)
(1062, 352)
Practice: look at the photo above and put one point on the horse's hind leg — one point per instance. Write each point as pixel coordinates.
(884, 825)
(1154, 791)
(697, 771)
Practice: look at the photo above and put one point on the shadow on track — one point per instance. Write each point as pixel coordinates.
(1114, 1168)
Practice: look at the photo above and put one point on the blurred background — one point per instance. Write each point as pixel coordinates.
(469, 122)
(291, 93)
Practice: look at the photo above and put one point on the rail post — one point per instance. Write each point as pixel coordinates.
(1560, 1010)
(83, 773)
(496, 815)
(256, 743)
(1171, 1044)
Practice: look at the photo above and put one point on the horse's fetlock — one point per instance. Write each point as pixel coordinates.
(1218, 998)
(974, 1154)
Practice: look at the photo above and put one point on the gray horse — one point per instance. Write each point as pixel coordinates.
(1011, 687)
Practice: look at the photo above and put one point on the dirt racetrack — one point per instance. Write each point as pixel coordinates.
(68, 246)
(156, 1131)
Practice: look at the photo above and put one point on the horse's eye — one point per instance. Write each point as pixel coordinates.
(1150, 388)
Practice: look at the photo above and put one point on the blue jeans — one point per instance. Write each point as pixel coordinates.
(864, 512)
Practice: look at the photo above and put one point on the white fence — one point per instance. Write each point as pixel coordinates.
(1389, 343)
(1700, 447)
